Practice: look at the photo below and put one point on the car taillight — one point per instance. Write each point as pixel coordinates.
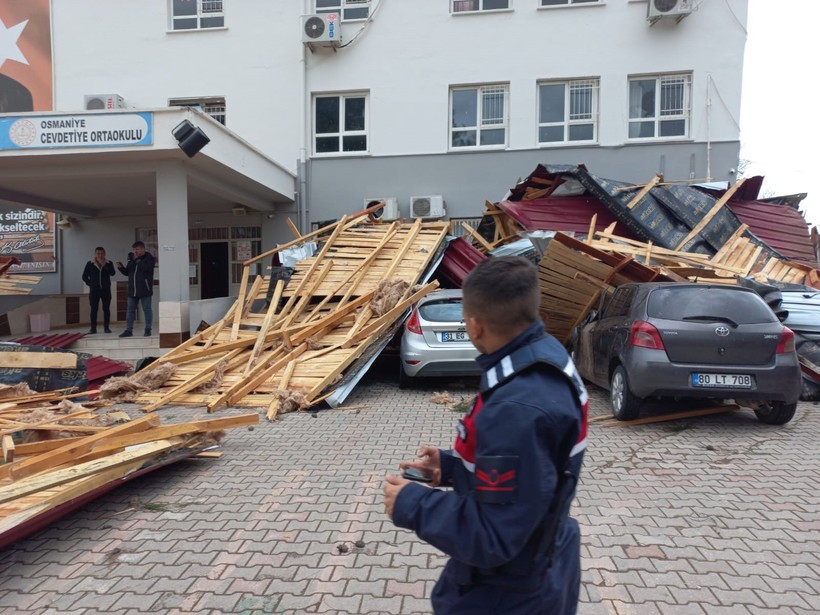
(786, 341)
(645, 335)
(413, 325)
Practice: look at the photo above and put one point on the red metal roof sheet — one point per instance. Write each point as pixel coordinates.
(50, 340)
(459, 260)
(562, 213)
(782, 227)
(97, 368)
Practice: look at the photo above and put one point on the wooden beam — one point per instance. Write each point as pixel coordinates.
(644, 191)
(712, 212)
(45, 360)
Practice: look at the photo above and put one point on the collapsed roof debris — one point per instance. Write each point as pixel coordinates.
(293, 347)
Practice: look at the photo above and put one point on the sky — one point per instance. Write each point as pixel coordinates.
(779, 121)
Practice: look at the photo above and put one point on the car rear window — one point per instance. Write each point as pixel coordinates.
(684, 303)
(442, 310)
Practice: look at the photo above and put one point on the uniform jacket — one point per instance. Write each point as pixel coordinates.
(98, 278)
(140, 272)
(526, 429)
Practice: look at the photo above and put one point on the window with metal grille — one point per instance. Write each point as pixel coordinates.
(340, 124)
(457, 228)
(568, 111)
(196, 14)
(470, 6)
(478, 116)
(215, 107)
(659, 106)
(350, 10)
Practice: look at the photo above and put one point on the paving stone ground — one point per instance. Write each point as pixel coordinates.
(718, 515)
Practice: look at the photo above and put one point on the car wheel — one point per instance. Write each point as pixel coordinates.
(625, 406)
(776, 413)
(404, 379)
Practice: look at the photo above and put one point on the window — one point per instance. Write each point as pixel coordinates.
(349, 9)
(215, 107)
(659, 106)
(568, 111)
(620, 303)
(479, 116)
(197, 14)
(340, 124)
(468, 6)
(565, 2)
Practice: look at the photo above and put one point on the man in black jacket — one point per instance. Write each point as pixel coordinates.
(97, 276)
(140, 272)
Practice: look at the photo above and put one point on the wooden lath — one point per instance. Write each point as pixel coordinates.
(301, 342)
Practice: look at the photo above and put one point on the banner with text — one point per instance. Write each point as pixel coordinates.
(28, 234)
(91, 130)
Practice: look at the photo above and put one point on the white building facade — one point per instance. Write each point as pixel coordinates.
(398, 98)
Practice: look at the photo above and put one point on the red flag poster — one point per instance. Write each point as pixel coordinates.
(25, 56)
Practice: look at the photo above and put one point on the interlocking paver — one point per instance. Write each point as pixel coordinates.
(715, 515)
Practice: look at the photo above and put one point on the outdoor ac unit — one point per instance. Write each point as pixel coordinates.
(669, 8)
(93, 102)
(322, 28)
(427, 206)
(390, 211)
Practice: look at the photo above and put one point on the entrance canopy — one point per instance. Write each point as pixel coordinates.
(104, 163)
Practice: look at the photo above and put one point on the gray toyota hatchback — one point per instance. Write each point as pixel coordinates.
(668, 339)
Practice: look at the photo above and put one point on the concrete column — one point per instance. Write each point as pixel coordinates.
(172, 230)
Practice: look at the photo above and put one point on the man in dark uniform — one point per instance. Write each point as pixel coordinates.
(513, 547)
(97, 276)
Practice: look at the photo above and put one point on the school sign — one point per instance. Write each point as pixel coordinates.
(83, 130)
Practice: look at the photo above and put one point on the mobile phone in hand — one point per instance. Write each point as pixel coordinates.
(416, 475)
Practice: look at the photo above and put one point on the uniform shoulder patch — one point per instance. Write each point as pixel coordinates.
(496, 479)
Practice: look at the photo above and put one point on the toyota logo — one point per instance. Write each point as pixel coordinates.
(722, 331)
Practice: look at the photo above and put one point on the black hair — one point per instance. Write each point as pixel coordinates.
(99, 248)
(503, 291)
(138, 244)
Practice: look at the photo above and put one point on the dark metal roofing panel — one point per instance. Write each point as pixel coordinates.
(459, 259)
(50, 340)
(781, 227)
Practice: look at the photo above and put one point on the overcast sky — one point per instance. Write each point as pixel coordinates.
(779, 110)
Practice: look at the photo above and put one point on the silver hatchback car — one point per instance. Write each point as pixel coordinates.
(690, 340)
(435, 341)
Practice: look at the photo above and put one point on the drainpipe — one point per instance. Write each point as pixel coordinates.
(304, 117)
(709, 127)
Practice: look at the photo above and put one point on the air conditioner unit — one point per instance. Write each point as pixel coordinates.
(390, 211)
(427, 206)
(92, 102)
(322, 28)
(669, 8)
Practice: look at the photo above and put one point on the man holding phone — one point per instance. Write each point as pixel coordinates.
(140, 272)
(513, 547)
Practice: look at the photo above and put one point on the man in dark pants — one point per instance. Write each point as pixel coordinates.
(140, 272)
(97, 276)
(513, 547)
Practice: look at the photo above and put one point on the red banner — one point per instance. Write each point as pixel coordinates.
(25, 56)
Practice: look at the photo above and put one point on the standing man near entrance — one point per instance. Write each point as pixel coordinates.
(140, 272)
(97, 276)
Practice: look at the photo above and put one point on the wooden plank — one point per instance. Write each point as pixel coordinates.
(712, 212)
(45, 360)
(475, 235)
(293, 229)
(8, 449)
(644, 191)
(32, 465)
(243, 286)
(33, 484)
(673, 416)
(260, 341)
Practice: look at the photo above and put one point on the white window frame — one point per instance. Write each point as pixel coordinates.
(456, 7)
(662, 115)
(342, 133)
(482, 123)
(549, 4)
(210, 105)
(205, 9)
(343, 7)
(572, 118)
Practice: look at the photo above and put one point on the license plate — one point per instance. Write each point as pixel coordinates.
(728, 381)
(453, 336)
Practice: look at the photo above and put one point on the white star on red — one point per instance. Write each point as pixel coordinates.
(9, 50)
